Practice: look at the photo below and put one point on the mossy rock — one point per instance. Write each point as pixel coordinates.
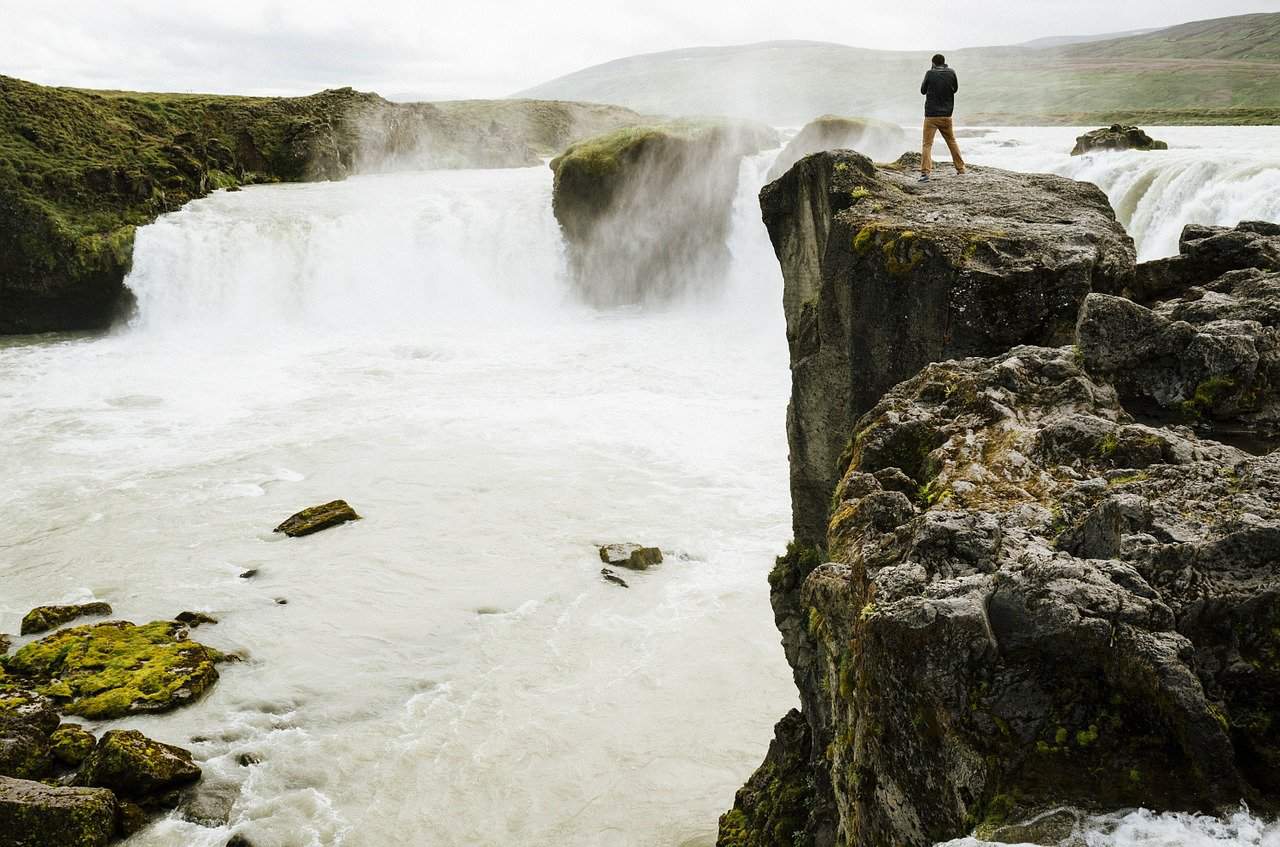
(71, 744)
(33, 814)
(632, 556)
(317, 518)
(108, 670)
(45, 618)
(136, 767)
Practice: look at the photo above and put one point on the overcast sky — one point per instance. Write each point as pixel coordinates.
(491, 48)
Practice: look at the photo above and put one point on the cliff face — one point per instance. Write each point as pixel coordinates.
(646, 211)
(884, 275)
(1023, 597)
(79, 170)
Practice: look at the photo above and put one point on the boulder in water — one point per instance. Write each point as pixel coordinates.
(884, 275)
(632, 556)
(71, 744)
(45, 618)
(875, 139)
(646, 211)
(108, 670)
(1116, 137)
(34, 814)
(194, 619)
(136, 767)
(612, 578)
(317, 518)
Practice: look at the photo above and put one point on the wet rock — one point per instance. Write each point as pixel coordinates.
(646, 211)
(280, 601)
(194, 619)
(5, 643)
(249, 574)
(1205, 254)
(33, 814)
(884, 275)
(138, 768)
(26, 720)
(610, 576)
(1116, 137)
(210, 803)
(71, 744)
(246, 760)
(130, 817)
(1050, 829)
(1078, 611)
(109, 670)
(875, 139)
(631, 556)
(45, 618)
(317, 518)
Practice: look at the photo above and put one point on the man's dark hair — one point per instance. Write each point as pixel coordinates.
(939, 60)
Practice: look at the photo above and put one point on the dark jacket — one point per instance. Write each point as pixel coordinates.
(939, 89)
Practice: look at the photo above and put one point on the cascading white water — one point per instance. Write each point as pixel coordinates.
(1210, 175)
(451, 670)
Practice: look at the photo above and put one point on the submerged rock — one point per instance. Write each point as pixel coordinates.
(109, 670)
(45, 618)
(632, 556)
(317, 518)
(33, 814)
(194, 619)
(646, 210)
(884, 275)
(875, 139)
(1116, 137)
(611, 577)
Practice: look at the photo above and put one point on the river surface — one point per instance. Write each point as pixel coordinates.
(452, 670)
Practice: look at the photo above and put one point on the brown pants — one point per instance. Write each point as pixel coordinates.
(944, 126)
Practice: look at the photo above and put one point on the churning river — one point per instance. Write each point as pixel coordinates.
(452, 670)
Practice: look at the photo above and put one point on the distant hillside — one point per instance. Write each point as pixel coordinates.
(1219, 71)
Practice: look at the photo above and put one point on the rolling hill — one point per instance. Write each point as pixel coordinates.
(1225, 70)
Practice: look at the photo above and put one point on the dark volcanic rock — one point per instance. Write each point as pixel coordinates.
(1116, 137)
(194, 619)
(136, 767)
(645, 211)
(1072, 609)
(45, 618)
(36, 815)
(875, 139)
(884, 275)
(1204, 254)
(317, 518)
(5, 643)
(632, 556)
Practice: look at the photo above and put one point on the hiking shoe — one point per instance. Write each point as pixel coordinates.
(923, 178)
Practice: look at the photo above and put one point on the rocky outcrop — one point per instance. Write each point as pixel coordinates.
(136, 768)
(1036, 593)
(646, 211)
(875, 139)
(45, 618)
(33, 814)
(884, 275)
(80, 170)
(1116, 137)
(316, 518)
(113, 669)
(632, 556)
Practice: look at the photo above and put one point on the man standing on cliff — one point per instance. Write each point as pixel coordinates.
(939, 89)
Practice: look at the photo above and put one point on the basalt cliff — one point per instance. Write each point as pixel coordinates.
(1037, 567)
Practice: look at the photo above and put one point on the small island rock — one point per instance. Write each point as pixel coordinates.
(1116, 137)
(317, 518)
(632, 556)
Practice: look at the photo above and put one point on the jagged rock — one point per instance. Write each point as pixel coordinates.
(611, 577)
(646, 211)
(773, 808)
(1073, 609)
(1116, 137)
(1212, 355)
(210, 803)
(875, 139)
(33, 814)
(632, 556)
(109, 670)
(26, 720)
(1205, 253)
(137, 768)
(883, 275)
(317, 518)
(45, 618)
(130, 817)
(194, 619)
(71, 744)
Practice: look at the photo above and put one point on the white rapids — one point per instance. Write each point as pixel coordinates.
(452, 670)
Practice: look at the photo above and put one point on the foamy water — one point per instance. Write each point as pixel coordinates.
(452, 670)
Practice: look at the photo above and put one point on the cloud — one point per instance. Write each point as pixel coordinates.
(485, 48)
